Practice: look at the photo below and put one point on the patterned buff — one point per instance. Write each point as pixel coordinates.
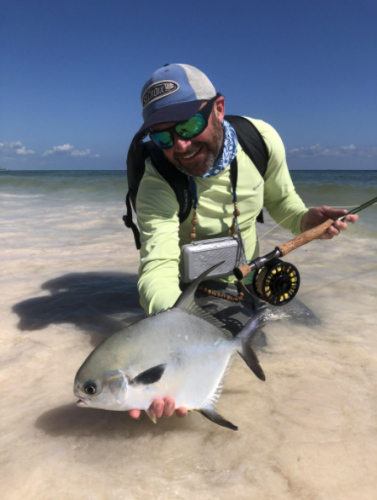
(229, 151)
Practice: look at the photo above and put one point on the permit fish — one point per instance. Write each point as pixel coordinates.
(182, 352)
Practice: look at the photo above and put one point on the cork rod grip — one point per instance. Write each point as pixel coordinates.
(243, 271)
(305, 237)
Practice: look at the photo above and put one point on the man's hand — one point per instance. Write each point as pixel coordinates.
(317, 215)
(162, 407)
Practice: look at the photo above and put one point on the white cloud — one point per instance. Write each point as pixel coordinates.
(68, 150)
(59, 150)
(342, 151)
(14, 148)
(76, 152)
(10, 150)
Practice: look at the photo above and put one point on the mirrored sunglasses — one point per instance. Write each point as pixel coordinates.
(188, 129)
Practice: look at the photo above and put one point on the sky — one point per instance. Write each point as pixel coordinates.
(71, 75)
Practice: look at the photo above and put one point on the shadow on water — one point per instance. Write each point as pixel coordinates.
(69, 420)
(97, 303)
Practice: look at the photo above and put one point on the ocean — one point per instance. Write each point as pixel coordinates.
(68, 280)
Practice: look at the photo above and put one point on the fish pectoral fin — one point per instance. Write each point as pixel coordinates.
(216, 418)
(117, 384)
(149, 376)
(151, 416)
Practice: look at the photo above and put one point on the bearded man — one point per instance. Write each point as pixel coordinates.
(184, 117)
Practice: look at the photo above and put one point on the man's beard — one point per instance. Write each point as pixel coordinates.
(198, 167)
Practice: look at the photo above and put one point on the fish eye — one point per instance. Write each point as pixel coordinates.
(90, 388)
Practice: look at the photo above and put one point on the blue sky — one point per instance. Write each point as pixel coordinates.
(72, 73)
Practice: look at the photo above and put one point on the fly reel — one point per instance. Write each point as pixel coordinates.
(277, 282)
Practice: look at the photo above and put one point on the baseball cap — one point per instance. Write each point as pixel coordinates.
(174, 93)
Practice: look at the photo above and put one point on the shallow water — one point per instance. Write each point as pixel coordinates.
(68, 280)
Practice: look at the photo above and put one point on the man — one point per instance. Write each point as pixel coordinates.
(185, 118)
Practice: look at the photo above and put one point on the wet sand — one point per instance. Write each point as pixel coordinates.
(308, 432)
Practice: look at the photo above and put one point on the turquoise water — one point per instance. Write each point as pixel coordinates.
(316, 187)
(327, 183)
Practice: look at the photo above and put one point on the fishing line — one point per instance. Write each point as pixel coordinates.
(337, 281)
(289, 216)
(279, 281)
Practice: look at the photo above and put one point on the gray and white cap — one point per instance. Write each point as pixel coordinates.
(174, 93)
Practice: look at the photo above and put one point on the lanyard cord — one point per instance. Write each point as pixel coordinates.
(235, 226)
(233, 179)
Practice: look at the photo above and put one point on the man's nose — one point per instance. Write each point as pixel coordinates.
(181, 145)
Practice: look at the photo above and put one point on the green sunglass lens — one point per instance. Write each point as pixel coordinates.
(162, 139)
(192, 127)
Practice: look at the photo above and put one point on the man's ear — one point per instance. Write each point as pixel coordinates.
(219, 108)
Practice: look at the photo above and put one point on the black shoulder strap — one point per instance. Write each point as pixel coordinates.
(252, 143)
(178, 181)
(137, 154)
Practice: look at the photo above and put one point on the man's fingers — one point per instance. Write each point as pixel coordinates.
(332, 231)
(169, 407)
(181, 412)
(332, 213)
(161, 407)
(134, 413)
(157, 407)
(352, 218)
(326, 236)
(340, 226)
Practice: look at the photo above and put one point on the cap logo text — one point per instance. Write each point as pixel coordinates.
(158, 91)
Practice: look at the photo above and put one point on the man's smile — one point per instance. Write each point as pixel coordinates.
(190, 155)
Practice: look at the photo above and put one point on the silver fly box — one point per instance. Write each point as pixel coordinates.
(198, 256)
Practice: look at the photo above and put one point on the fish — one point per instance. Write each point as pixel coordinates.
(182, 352)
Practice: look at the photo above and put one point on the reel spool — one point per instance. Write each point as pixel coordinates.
(277, 282)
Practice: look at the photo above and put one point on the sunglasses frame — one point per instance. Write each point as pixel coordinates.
(205, 112)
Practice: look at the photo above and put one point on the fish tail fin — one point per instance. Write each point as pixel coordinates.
(211, 413)
(245, 350)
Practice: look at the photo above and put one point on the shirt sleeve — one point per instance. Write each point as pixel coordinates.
(280, 198)
(157, 216)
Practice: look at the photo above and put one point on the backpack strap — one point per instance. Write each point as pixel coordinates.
(177, 180)
(127, 219)
(137, 154)
(252, 143)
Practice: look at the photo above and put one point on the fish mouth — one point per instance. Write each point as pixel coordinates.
(83, 402)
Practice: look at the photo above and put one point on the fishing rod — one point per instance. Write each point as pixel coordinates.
(275, 281)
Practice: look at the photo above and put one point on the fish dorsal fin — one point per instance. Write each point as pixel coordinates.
(186, 300)
(198, 311)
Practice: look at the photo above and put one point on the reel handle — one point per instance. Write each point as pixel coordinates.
(306, 237)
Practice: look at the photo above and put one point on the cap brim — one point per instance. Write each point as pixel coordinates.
(173, 113)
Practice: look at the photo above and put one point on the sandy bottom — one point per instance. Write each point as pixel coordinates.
(308, 432)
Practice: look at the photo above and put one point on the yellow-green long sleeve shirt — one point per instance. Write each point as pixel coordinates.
(162, 236)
